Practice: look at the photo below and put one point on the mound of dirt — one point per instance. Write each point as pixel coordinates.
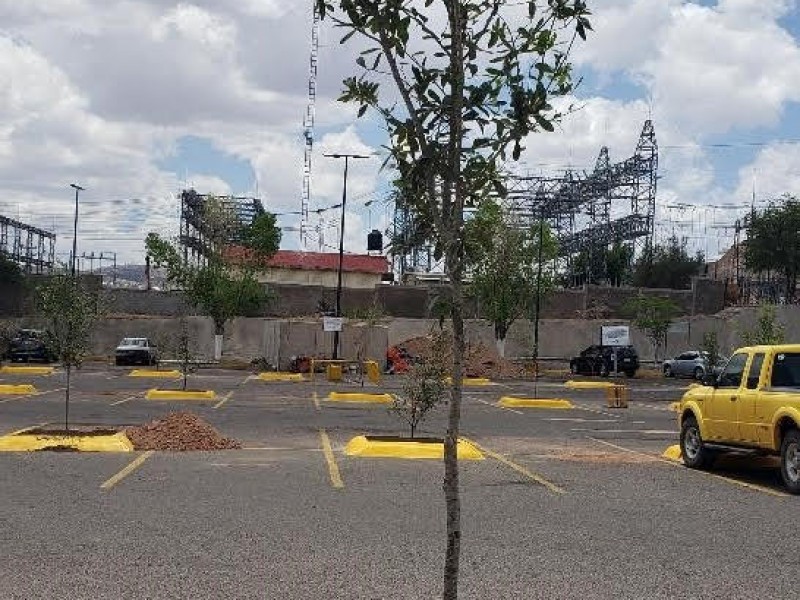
(480, 360)
(181, 432)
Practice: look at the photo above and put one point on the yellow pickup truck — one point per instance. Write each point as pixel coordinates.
(753, 403)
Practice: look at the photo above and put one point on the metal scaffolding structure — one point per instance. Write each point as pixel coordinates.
(32, 248)
(201, 231)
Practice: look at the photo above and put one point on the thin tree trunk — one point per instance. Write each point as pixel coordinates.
(453, 211)
(451, 479)
(66, 404)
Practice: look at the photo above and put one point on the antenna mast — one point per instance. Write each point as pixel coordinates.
(308, 127)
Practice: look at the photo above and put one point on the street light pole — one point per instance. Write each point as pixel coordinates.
(346, 158)
(75, 227)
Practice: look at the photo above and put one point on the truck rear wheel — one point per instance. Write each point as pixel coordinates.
(790, 461)
(694, 453)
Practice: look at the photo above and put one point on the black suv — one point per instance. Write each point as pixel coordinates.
(28, 345)
(599, 360)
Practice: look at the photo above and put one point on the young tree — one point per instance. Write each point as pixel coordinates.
(71, 312)
(504, 259)
(768, 330)
(667, 265)
(773, 244)
(653, 315)
(183, 350)
(710, 347)
(469, 79)
(425, 385)
(220, 291)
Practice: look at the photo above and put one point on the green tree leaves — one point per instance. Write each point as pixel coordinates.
(653, 315)
(773, 242)
(667, 265)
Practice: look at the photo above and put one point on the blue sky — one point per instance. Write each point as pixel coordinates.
(139, 100)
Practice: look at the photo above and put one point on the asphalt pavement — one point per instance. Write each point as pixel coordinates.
(572, 503)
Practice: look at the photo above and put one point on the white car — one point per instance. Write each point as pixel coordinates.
(134, 351)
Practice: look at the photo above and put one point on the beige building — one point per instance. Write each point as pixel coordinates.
(359, 271)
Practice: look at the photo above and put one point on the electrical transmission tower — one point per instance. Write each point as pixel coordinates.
(308, 127)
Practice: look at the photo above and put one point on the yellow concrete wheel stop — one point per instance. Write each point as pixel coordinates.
(673, 453)
(470, 381)
(280, 376)
(26, 370)
(15, 389)
(360, 397)
(171, 374)
(77, 442)
(588, 385)
(156, 394)
(377, 447)
(556, 403)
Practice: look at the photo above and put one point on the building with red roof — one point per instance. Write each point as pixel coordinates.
(317, 268)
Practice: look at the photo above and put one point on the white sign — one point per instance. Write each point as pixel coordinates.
(615, 335)
(332, 323)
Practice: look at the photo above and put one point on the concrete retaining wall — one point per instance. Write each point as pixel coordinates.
(278, 340)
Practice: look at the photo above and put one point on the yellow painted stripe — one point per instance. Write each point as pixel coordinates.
(225, 398)
(519, 468)
(127, 470)
(333, 468)
(744, 484)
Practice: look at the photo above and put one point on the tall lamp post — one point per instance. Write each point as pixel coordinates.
(346, 158)
(75, 227)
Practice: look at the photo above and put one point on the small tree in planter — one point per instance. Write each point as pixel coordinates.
(183, 351)
(426, 385)
(71, 313)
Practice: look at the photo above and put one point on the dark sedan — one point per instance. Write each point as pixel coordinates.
(599, 360)
(28, 346)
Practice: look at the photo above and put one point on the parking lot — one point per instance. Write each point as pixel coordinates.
(574, 503)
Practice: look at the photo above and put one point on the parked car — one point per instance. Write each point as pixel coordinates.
(754, 403)
(29, 345)
(692, 363)
(134, 351)
(599, 360)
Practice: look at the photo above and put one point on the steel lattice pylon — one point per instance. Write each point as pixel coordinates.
(32, 248)
(308, 128)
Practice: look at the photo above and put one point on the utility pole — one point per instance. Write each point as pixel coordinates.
(538, 301)
(346, 158)
(75, 227)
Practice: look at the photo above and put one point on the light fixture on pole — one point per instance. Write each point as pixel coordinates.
(75, 227)
(346, 158)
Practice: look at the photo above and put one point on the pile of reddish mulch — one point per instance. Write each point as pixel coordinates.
(480, 360)
(179, 431)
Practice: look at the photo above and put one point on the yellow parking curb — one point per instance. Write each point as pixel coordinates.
(511, 402)
(363, 446)
(589, 385)
(360, 397)
(171, 374)
(468, 381)
(15, 389)
(155, 394)
(673, 453)
(15, 370)
(26, 442)
(280, 376)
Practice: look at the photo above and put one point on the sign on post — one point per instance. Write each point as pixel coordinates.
(615, 335)
(332, 323)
